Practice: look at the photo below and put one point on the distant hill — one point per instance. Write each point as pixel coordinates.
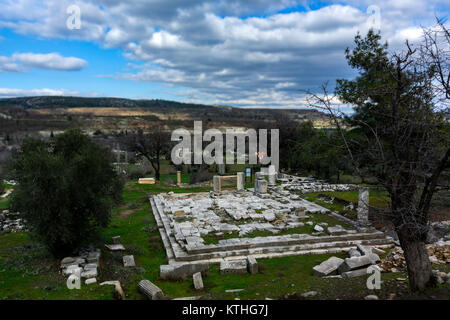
(104, 102)
(46, 113)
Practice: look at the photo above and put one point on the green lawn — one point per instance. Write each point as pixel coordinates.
(28, 271)
(4, 202)
(377, 199)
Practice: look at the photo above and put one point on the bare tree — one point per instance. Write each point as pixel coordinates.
(435, 53)
(401, 138)
(153, 146)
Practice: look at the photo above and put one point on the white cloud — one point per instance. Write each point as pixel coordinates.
(12, 92)
(227, 51)
(18, 62)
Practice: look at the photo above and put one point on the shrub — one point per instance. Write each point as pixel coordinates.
(66, 189)
(200, 176)
(136, 173)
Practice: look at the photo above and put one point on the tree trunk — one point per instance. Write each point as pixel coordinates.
(417, 261)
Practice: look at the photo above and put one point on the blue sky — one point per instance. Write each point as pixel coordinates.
(258, 53)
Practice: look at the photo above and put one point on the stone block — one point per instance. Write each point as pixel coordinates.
(198, 281)
(90, 281)
(354, 253)
(182, 271)
(147, 181)
(328, 267)
(363, 206)
(336, 230)
(115, 247)
(363, 250)
(233, 266)
(116, 240)
(354, 263)
(240, 181)
(252, 265)
(128, 261)
(318, 228)
(354, 273)
(90, 273)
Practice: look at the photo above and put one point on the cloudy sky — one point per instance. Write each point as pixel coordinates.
(249, 53)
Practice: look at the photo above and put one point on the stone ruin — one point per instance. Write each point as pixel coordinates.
(11, 222)
(305, 184)
(232, 219)
(217, 181)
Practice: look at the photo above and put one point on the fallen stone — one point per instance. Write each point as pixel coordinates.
(354, 253)
(336, 230)
(198, 281)
(150, 290)
(252, 265)
(371, 297)
(90, 281)
(118, 292)
(67, 260)
(318, 228)
(269, 216)
(309, 294)
(354, 263)
(433, 259)
(233, 266)
(234, 290)
(76, 262)
(364, 250)
(128, 261)
(182, 271)
(115, 247)
(90, 266)
(90, 273)
(378, 250)
(354, 273)
(110, 283)
(328, 267)
(73, 269)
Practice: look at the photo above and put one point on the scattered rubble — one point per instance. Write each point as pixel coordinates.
(11, 222)
(439, 231)
(85, 265)
(306, 185)
(439, 253)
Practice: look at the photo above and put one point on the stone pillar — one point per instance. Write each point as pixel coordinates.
(178, 178)
(260, 183)
(240, 181)
(363, 206)
(217, 183)
(272, 179)
(257, 177)
(221, 168)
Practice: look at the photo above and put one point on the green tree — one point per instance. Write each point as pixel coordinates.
(2, 186)
(66, 189)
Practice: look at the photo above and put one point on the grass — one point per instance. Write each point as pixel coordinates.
(377, 198)
(28, 271)
(4, 202)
